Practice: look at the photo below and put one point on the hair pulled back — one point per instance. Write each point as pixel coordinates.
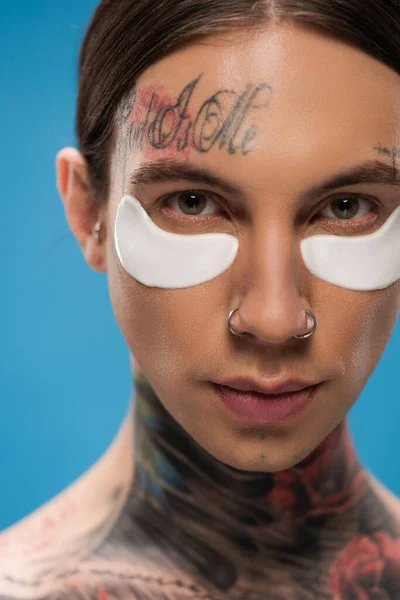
(125, 37)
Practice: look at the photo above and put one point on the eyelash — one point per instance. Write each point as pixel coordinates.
(172, 214)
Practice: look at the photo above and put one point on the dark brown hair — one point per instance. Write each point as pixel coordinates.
(125, 37)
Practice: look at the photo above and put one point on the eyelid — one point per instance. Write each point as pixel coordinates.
(348, 194)
(210, 195)
(344, 196)
(219, 201)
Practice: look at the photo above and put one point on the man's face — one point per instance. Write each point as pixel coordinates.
(274, 114)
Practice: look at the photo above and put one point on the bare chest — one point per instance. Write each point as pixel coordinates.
(367, 569)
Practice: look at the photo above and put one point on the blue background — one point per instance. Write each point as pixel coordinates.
(65, 379)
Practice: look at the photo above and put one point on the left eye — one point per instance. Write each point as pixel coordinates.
(198, 204)
(191, 203)
(347, 207)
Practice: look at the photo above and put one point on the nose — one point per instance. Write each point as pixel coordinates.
(271, 309)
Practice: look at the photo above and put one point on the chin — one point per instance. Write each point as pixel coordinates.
(268, 456)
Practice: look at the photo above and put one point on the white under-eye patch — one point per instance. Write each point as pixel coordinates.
(364, 262)
(158, 258)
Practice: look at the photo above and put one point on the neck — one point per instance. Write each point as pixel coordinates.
(210, 513)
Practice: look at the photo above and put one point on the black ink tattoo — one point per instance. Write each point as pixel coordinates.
(220, 121)
(393, 152)
(235, 535)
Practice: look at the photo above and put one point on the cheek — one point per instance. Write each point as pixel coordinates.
(178, 331)
(383, 320)
(366, 325)
(164, 329)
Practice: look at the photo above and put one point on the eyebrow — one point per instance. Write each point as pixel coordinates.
(371, 171)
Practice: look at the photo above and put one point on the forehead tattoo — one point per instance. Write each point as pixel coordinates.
(150, 118)
(225, 120)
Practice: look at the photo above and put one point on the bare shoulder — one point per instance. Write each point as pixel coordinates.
(138, 581)
(117, 575)
(111, 580)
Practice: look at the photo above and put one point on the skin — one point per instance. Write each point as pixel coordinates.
(175, 350)
(320, 527)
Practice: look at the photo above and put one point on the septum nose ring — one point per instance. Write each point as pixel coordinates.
(301, 337)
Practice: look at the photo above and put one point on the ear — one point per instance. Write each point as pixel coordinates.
(81, 210)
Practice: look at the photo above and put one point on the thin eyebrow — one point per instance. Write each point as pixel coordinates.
(371, 171)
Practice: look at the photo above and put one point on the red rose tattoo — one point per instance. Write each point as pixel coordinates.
(367, 568)
(305, 491)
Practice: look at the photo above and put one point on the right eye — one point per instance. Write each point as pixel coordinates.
(189, 203)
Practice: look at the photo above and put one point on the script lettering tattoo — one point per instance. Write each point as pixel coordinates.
(152, 117)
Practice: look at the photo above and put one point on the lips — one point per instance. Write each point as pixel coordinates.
(272, 409)
(268, 387)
